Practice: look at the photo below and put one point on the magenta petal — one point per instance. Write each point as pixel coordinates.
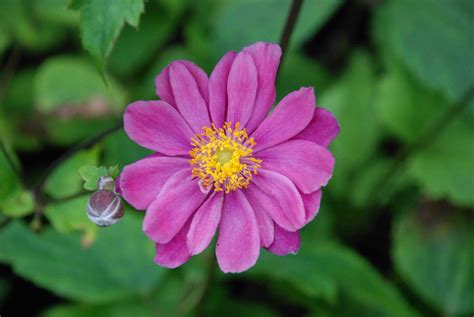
(307, 164)
(204, 223)
(265, 227)
(241, 89)
(285, 242)
(141, 181)
(291, 116)
(188, 98)
(322, 129)
(163, 84)
(218, 89)
(312, 203)
(177, 201)
(175, 252)
(276, 195)
(158, 126)
(267, 58)
(238, 245)
(200, 77)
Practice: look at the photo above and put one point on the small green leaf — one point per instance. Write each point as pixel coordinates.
(435, 255)
(117, 266)
(113, 171)
(63, 181)
(101, 23)
(91, 174)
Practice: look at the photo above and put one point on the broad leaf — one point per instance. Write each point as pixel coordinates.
(444, 168)
(64, 181)
(118, 265)
(434, 253)
(241, 23)
(433, 38)
(327, 268)
(102, 22)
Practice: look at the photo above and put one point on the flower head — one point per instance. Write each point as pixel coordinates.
(224, 163)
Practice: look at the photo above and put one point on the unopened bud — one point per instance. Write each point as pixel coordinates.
(104, 208)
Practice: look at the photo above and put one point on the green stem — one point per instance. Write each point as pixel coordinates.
(289, 27)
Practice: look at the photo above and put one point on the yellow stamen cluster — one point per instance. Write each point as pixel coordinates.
(222, 158)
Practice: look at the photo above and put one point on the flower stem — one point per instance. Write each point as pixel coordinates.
(289, 26)
(39, 188)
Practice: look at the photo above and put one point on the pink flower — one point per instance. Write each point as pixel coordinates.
(224, 163)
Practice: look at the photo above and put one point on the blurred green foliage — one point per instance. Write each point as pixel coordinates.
(394, 236)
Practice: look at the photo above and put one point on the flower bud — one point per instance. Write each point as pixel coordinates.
(104, 208)
(107, 183)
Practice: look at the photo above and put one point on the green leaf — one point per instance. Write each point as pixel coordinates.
(435, 254)
(298, 71)
(63, 181)
(115, 309)
(20, 204)
(337, 269)
(156, 27)
(433, 38)
(241, 23)
(119, 149)
(65, 82)
(102, 22)
(406, 107)
(444, 168)
(91, 174)
(118, 265)
(351, 100)
(29, 25)
(113, 171)
(71, 215)
(9, 184)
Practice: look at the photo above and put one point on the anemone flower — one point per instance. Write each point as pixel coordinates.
(224, 163)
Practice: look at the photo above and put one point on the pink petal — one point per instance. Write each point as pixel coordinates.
(163, 85)
(204, 223)
(200, 77)
(175, 252)
(267, 58)
(238, 245)
(188, 98)
(141, 181)
(276, 195)
(291, 116)
(241, 89)
(265, 227)
(285, 242)
(157, 126)
(311, 203)
(322, 129)
(177, 201)
(307, 164)
(218, 89)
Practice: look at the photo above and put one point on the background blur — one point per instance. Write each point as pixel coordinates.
(394, 236)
